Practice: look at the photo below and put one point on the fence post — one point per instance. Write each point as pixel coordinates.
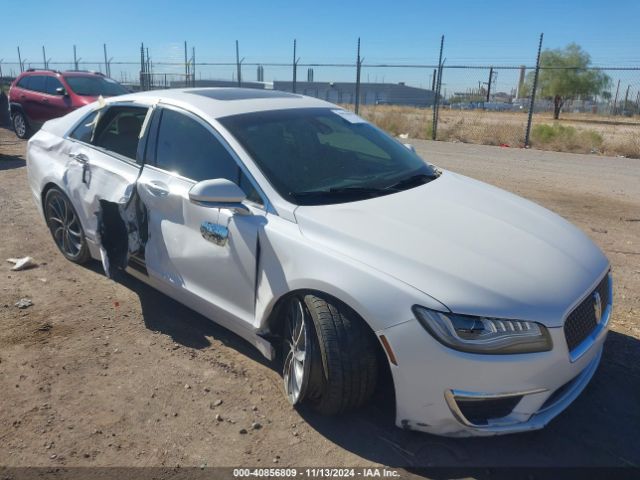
(436, 100)
(193, 66)
(20, 61)
(533, 95)
(295, 68)
(489, 84)
(238, 66)
(358, 65)
(142, 67)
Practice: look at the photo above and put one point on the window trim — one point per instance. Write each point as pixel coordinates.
(266, 204)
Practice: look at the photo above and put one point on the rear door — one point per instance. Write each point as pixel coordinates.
(102, 162)
(31, 100)
(217, 280)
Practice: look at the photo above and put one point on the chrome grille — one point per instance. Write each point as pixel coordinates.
(582, 320)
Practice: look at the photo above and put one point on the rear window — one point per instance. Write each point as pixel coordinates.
(37, 83)
(94, 86)
(24, 82)
(84, 130)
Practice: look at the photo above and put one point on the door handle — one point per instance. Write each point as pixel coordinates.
(83, 160)
(79, 157)
(157, 189)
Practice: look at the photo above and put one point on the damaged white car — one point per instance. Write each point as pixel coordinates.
(330, 245)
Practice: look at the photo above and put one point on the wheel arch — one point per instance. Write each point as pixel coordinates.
(274, 323)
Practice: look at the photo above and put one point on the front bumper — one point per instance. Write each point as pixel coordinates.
(435, 385)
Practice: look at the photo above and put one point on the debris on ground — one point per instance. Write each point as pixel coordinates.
(23, 263)
(24, 303)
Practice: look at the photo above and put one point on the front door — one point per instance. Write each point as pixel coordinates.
(215, 279)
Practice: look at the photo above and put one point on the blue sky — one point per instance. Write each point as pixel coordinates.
(477, 32)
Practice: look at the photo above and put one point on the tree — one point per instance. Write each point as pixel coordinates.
(565, 74)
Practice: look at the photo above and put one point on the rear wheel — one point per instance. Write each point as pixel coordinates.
(20, 125)
(65, 228)
(329, 353)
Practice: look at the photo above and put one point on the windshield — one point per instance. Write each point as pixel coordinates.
(319, 156)
(95, 86)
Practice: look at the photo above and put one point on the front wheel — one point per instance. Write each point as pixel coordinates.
(329, 355)
(20, 125)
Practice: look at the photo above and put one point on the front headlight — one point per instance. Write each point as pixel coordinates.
(483, 334)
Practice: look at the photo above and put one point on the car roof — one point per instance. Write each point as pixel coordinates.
(218, 102)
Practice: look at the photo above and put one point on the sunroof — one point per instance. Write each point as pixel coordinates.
(241, 93)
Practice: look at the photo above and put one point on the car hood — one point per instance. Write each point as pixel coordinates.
(475, 248)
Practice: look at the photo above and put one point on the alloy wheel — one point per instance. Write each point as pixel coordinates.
(296, 347)
(64, 225)
(19, 125)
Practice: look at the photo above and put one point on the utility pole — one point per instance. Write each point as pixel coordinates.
(44, 58)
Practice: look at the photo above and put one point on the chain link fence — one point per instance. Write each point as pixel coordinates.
(506, 105)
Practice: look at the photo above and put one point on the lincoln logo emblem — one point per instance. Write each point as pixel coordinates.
(597, 306)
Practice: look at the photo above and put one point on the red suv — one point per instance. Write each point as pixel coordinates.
(40, 95)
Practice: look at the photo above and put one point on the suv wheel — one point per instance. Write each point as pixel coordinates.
(20, 125)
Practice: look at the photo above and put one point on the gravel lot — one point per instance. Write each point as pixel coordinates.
(98, 373)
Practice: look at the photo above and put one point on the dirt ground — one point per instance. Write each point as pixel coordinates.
(99, 373)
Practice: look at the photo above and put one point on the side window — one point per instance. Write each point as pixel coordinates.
(25, 82)
(186, 147)
(118, 130)
(37, 83)
(51, 84)
(84, 130)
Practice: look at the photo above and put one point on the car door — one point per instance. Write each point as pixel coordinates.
(217, 280)
(54, 104)
(32, 100)
(101, 162)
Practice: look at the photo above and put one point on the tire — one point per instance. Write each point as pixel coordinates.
(20, 125)
(64, 225)
(340, 368)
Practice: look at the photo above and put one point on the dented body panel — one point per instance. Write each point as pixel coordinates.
(453, 244)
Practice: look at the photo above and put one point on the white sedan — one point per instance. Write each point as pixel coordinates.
(334, 248)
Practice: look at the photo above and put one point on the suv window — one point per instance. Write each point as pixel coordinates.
(51, 84)
(25, 82)
(186, 147)
(84, 130)
(37, 83)
(118, 130)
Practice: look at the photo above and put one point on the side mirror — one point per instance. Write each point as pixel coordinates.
(61, 91)
(410, 147)
(219, 193)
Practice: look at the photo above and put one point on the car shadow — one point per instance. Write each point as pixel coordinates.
(184, 326)
(9, 162)
(598, 430)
